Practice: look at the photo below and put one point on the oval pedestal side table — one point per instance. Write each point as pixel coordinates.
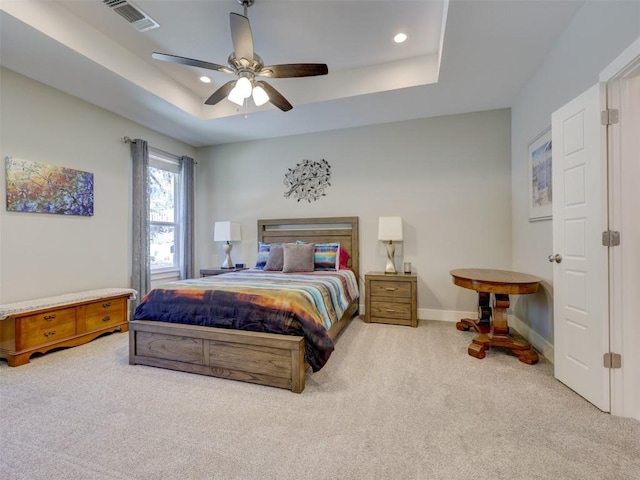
(491, 324)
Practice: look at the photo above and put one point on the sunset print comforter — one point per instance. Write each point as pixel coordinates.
(273, 302)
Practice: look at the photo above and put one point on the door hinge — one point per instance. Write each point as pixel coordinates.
(612, 360)
(611, 238)
(610, 116)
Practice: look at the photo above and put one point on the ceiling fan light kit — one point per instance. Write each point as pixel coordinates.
(248, 65)
(236, 97)
(260, 97)
(243, 87)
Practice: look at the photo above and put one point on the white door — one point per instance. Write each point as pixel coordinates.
(580, 279)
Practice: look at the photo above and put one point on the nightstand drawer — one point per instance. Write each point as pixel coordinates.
(381, 288)
(391, 310)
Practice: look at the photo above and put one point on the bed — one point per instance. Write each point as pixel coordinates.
(272, 359)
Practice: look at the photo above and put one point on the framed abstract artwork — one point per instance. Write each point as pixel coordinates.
(540, 179)
(41, 188)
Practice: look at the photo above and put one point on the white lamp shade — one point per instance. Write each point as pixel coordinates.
(226, 232)
(235, 97)
(243, 85)
(390, 229)
(260, 97)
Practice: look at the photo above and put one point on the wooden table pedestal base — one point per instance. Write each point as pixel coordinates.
(483, 323)
(498, 334)
(522, 350)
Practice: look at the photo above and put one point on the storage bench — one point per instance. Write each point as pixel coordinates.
(37, 326)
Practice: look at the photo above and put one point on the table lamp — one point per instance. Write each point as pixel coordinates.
(390, 230)
(227, 232)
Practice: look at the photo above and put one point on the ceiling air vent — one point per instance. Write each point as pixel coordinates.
(132, 14)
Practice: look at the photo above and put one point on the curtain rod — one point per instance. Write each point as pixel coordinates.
(129, 140)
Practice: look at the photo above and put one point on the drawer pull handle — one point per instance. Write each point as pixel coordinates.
(390, 289)
(50, 334)
(106, 319)
(48, 318)
(106, 305)
(390, 310)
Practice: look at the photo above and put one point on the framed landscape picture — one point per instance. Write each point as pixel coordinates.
(540, 180)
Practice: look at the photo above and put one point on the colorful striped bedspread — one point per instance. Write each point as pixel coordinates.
(304, 304)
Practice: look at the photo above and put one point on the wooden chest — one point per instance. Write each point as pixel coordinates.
(391, 298)
(38, 331)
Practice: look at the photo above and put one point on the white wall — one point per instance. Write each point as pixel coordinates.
(40, 254)
(597, 34)
(448, 177)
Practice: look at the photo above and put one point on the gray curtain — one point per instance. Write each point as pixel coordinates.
(187, 216)
(141, 271)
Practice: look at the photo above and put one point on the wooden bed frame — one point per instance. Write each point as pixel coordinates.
(264, 358)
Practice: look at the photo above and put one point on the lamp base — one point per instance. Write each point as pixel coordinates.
(227, 261)
(391, 251)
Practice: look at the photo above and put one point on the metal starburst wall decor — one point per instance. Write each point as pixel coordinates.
(308, 180)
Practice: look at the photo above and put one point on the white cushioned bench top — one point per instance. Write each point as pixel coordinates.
(61, 300)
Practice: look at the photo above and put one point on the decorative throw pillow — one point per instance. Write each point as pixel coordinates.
(344, 258)
(275, 262)
(263, 255)
(326, 256)
(298, 257)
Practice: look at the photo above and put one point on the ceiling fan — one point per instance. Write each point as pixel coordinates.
(247, 65)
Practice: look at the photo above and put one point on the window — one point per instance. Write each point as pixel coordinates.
(164, 218)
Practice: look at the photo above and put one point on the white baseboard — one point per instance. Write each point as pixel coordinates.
(539, 343)
(444, 315)
(437, 315)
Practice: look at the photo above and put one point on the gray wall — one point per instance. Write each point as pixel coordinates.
(599, 32)
(43, 255)
(448, 177)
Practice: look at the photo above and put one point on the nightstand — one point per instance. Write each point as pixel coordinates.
(209, 272)
(391, 298)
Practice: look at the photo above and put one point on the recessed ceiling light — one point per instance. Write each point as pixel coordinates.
(400, 37)
(205, 79)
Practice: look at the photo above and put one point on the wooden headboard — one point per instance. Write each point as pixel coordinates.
(315, 230)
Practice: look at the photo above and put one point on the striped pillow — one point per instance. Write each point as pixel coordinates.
(325, 256)
(263, 255)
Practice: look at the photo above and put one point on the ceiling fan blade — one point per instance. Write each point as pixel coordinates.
(294, 70)
(275, 97)
(221, 93)
(241, 37)
(165, 57)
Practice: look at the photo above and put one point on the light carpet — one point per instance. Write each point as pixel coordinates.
(393, 402)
